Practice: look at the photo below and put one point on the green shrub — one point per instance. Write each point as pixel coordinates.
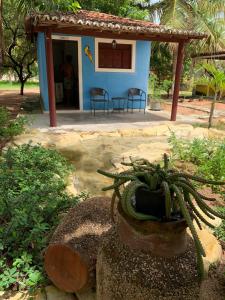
(220, 231)
(10, 127)
(208, 155)
(32, 197)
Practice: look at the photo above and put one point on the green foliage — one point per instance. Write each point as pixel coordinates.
(214, 78)
(10, 127)
(177, 188)
(167, 85)
(19, 52)
(161, 61)
(25, 6)
(32, 197)
(220, 231)
(125, 8)
(22, 269)
(208, 155)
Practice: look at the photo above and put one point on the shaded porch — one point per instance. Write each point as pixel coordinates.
(85, 121)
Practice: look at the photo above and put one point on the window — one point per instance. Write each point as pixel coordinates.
(120, 58)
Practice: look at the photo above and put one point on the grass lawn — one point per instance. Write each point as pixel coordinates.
(6, 85)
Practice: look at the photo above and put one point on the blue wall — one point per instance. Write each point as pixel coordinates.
(116, 83)
(41, 53)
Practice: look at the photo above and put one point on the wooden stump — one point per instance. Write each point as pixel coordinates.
(70, 259)
(125, 273)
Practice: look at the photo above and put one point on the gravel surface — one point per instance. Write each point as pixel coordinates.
(132, 275)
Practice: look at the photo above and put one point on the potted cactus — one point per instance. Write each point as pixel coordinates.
(160, 202)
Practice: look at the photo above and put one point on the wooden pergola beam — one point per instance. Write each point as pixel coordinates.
(180, 58)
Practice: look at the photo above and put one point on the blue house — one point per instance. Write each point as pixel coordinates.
(86, 50)
(96, 64)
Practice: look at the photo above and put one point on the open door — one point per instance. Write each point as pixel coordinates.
(66, 74)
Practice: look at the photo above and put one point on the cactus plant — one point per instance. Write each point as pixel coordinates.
(179, 195)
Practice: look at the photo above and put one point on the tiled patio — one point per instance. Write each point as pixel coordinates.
(103, 122)
(85, 121)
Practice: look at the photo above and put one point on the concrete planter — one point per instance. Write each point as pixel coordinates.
(165, 239)
(155, 106)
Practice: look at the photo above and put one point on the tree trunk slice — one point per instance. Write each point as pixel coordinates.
(70, 259)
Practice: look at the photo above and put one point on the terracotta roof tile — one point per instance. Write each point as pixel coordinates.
(93, 19)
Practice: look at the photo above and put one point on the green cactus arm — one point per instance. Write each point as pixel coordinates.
(148, 179)
(197, 198)
(187, 217)
(168, 202)
(199, 179)
(132, 187)
(204, 207)
(200, 264)
(116, 175)
(166, 161)
(199, 249)
(196, 212)
(112, 207)
(117, 183)
(210, 210)
(124, 197)
(196, 219)
(155, 181)
(186, 181)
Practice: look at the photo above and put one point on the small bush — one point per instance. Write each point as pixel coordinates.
(32, 197)
(10, 127)
(208, 155)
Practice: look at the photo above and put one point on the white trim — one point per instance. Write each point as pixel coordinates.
(133, 57)
(80, 77)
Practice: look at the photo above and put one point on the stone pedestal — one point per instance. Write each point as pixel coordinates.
(125, 273)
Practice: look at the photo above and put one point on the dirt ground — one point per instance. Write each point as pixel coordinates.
(10, 97)
(194, 107)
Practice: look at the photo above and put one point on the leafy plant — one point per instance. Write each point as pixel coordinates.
(215, 79)
(166, 86)
(208, 155)
(177, 188)
(21, 273)
(10, 127)
(32, 197)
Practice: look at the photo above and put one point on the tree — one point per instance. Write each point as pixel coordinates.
(126, 8)
(199, 15)
(215, 79)
(19, 53)
(161, 61)
(1, 35)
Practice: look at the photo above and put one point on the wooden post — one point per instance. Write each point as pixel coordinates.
(180, 57)
(51, 82)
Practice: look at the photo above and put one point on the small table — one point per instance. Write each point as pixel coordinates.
(119, 103)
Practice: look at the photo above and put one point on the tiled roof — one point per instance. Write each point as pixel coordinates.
(96, 20)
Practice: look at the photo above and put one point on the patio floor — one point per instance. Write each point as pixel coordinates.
(106, 122)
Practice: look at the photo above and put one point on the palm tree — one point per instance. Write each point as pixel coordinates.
(201, 15)
(215, 80)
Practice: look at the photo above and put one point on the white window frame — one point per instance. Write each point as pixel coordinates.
(133, 55)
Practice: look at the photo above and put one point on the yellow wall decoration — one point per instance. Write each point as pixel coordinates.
(88, 53)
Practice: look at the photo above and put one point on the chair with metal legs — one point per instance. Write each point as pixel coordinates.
(99, 95)
(136, 95)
